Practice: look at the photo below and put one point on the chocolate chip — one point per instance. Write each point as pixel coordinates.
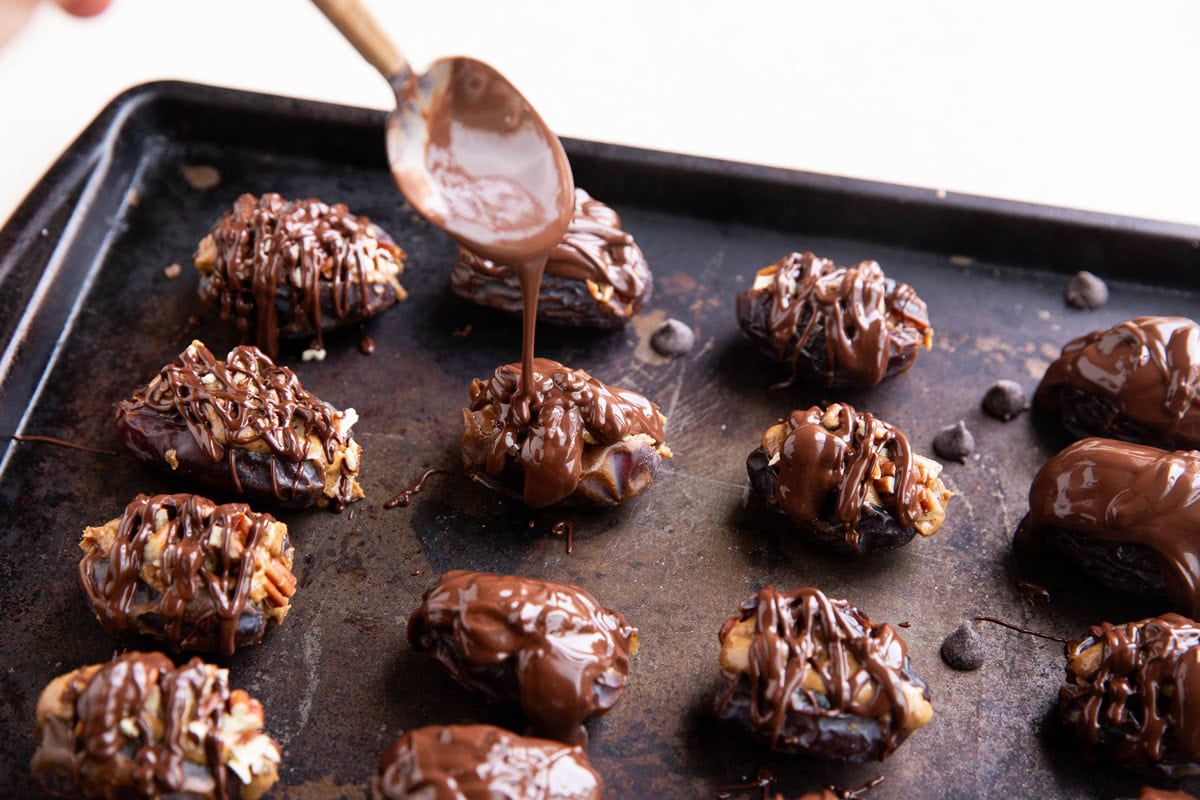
(1086, 291)
(963, 649)
(1005, 400)
(673, 339)
(954, 443)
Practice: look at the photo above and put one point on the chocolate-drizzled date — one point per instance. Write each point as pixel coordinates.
(140, 727)
(548, 647)
(1133, 690)
(595, 277)
(574, 438)
(1127, 514)
(834, 326)
(848, 479)
(1136, 381)
(481, 762)
(245, 427)
(809, 674)
(183, 569)
(296, 268)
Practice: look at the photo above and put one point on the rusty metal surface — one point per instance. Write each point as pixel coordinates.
(338, 679)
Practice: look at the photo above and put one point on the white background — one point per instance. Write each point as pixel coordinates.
(1083, 104)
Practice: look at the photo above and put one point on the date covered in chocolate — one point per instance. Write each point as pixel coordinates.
(834, 326)
(140, 727)
(474, 762)
(197, 575)
(1126, 514)
(573, 438)
(245, 427)
(848, 479)
(1137, 381)
(809, 674)
(549, 648)
(289, 269)
(595, 277)
(1133, 691)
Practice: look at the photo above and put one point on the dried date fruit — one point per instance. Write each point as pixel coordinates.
(243, 426)
(473, 762)
(548, 647)
(809, 674)
(834, 326)
(140, 727)
(1136, 381)
(575, 438)
(1124, 513)
(596, 277)
(848, 479)
(290, 269)
(183, 569)
(1130, 689)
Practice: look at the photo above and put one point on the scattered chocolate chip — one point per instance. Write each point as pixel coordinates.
(1005, 400)
(954, 443)
(904, 624)
(172, 271)
(963, 649)
(1086, 291)
(366, 345)
(673, 339)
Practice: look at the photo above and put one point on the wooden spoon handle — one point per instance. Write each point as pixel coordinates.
(352, 18)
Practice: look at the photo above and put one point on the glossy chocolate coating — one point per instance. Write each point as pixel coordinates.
(1136, 381)
(138, 727)
(1127, 513)
(823, 468)
(814, 675)
(596, 276)
(1150, 793)
(243, 426)
(834, 326)
(533, 446)
(214, 584)
(1134, 690)
(548, 647)
(296, 268)
(481, 762)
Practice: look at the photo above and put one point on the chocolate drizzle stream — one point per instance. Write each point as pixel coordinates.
(1135, 688)
(804, 644)
(544, 424)
(204, 549)
(31, 437)
(549, 646)
(480, 762)
(304, 249)
(565, 526)
(405, 496)
(1101, 495)
(856, 323)
(1136, 381)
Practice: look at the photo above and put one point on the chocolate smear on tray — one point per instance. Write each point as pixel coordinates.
(32, 437)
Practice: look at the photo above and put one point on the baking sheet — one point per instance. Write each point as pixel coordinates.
(84, 257)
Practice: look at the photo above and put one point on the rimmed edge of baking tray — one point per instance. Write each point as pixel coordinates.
(48, 253)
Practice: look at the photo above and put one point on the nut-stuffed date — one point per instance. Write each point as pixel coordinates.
(197, 575)
(595, 277)
(1132, 691)
(245, 427)
(139, 727)
(1136, 381)
(296, 268)
(548, 647)
(1127, 514)
(474, 762)
(813, 675)
(834, 326)
(848, 479)
(574, 438)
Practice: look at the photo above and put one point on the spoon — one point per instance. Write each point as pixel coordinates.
(467, 150)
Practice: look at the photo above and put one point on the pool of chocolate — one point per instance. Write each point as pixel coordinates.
(85, 257)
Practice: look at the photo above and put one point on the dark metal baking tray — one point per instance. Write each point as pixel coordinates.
(86, 314)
